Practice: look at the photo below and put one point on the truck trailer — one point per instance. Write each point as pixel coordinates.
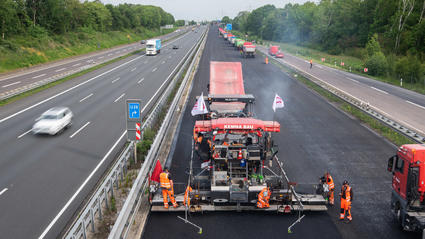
(153, 47)
(235, 158)
(408, 186)
(248, 50)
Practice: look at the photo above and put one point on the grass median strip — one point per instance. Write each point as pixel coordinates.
(73, 76)
(389, 133)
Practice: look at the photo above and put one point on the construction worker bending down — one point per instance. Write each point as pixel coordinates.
(186, 200)
(327, 178)
(346, 199)
(263, 198)
(167, 188)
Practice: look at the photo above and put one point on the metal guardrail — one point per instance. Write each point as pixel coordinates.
(99, 200)
(360, 104)
(131, 205)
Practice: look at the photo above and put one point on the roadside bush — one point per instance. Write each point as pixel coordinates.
(377, 64)
(410, 69)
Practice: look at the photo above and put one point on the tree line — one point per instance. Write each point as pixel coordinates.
(389, 35)
(18, 17)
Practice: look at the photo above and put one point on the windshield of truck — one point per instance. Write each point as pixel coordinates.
(150, 46)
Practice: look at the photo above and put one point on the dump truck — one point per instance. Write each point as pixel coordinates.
(248, 50)
(273, 50)
(236, 157)
(408, 186)
(239, 44)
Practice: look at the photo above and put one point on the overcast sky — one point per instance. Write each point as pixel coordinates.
(206, 9)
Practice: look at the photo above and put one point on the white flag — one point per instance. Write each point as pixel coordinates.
(277, 103)
(200, 107)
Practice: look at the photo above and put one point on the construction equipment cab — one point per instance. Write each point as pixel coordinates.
(408, 186)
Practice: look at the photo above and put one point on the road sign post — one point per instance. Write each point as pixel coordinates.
(134, 118)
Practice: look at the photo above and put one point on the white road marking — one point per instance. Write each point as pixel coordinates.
(379, 90)
(110, 54)
(3, 191)
(81, 187)
(133, 69)
(61, 69)
(411, 127)
(77, 64)
(39, 76)
(140, 81)
(420, 106)
(351, 79)
(85, 98)
(100, 57)
(163, 62)
(119, 98)
(115, 80)
(88, 61)
(14, 83)
(76, 132)
(22, 135)
(66, 91)
(154, 69)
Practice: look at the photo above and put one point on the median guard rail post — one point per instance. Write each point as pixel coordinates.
(131, 205)
(100, 199)
(360, 104)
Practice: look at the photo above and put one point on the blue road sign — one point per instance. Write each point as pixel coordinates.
(229, 26)
(133, 110)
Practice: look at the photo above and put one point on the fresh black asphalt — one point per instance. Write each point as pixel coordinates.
(315, 137)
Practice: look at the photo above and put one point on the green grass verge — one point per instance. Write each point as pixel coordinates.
(334, 61)
(54, 83)
(25, 51)
(389, 133)
(51, 84)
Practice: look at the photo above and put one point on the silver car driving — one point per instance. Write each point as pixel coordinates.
(53, 121)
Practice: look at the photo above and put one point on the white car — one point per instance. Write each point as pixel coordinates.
(53, 121)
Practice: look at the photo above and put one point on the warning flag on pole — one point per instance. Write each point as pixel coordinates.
(277, 103)
(156, 172)
(200, 107)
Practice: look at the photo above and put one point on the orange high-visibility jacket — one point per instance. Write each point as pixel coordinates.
(164, 181)
(330, 182)
(347, 193)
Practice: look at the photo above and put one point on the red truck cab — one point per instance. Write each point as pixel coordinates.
(408, 186)
(273, 50)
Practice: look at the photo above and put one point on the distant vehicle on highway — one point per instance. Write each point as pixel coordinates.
(175, 47)
(143, 42)
(177, 30)
(153, 47)
(53, 121)
(279, 54)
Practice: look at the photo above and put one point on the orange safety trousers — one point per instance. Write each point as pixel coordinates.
(331, 197)
(345, 207)
(168, 193)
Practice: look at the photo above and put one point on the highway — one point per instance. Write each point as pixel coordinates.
(44, 179)
(35, 76)
(315, 137)
(402, 105)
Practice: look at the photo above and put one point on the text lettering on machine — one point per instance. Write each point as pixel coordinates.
(238, 126)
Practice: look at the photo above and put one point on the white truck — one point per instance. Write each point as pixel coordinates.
(153, 47)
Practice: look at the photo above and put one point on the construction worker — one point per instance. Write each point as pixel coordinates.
(266, 60)
(263, 198)
(167, 188)
(327, 178)
(311, 63)
(186, 200)
(346, 199)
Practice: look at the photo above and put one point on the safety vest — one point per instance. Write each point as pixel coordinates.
(199, 139)
(164, 181)
(330, 182)
(346, 193)
(264, 194)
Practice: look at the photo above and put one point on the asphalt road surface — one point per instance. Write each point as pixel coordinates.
(404, 106)
(315, 136)
(20, 81)
(41, 175)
